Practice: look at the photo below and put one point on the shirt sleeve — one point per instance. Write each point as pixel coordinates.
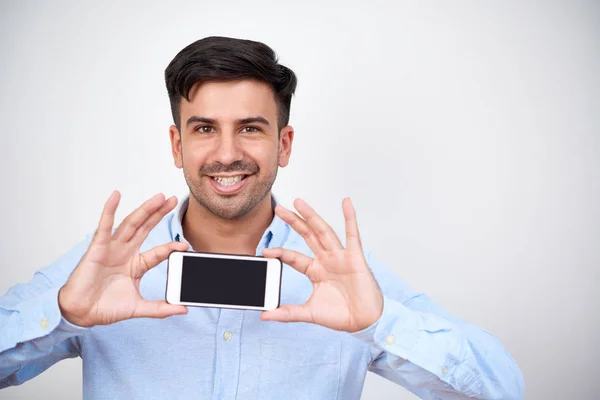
(33, 333)
(432, 353)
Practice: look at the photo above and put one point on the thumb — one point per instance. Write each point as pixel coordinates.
(288, 313)
(157, 309)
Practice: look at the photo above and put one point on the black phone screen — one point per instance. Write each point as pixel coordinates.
(223, 281)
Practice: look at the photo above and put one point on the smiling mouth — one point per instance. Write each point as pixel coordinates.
(229, 180)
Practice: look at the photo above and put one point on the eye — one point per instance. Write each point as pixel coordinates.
(205, 129)
(250, 129)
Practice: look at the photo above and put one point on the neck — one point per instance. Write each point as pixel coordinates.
(206, 232)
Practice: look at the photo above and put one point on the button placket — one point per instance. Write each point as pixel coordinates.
(228, 354)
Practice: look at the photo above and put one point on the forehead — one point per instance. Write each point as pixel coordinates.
(230, 100)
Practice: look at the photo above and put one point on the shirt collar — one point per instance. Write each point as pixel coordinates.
(274, 236)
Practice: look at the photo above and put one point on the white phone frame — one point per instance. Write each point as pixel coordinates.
(272, 286)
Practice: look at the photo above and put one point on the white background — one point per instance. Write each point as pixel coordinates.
(467, 134)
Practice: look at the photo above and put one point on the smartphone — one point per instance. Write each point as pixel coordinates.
(223, 280)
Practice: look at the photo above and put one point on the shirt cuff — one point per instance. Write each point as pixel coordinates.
(40, 315)
(425, 340)
(396, 330)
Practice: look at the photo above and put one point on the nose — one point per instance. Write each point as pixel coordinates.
(228, 149)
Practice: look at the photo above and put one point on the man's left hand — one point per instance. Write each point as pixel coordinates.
(345, 295)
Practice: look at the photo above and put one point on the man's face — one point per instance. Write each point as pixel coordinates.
(229, 145)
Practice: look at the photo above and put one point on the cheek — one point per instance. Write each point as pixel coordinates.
(195, 155)
(264, 155)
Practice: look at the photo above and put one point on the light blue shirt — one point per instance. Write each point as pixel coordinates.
(231, 354)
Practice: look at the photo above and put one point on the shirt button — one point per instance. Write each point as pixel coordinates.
(390, 339)
(444, 370)
(227, 336)
(44, 323)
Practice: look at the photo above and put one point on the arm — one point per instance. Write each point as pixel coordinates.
(96, 283)
(413, 341)
(34, 335)
(432, 353)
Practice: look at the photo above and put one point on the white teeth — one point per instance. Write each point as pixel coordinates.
(229, 181)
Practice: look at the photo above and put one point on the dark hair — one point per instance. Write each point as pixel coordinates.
(217, 58)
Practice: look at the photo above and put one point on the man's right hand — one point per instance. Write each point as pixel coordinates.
(105, 286)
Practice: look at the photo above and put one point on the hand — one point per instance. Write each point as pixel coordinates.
(345, 295)
(105, 286)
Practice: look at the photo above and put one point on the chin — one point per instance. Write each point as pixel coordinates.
(226, 207)
(229, 213)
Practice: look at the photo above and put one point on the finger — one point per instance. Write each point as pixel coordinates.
(352, 234)
(107, 219)
(300, 226)
(288, 313)
(151, 258)
(300, 262)
(142, 232)
(324, 231)
(133, 221)
(158, 309)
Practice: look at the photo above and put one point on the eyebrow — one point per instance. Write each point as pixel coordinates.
(250, 120)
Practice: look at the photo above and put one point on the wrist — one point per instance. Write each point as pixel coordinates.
(65, 308)
(371, 313)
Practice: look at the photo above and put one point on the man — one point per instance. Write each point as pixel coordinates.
(342, 312)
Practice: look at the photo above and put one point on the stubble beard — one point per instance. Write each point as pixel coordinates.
(234, 206)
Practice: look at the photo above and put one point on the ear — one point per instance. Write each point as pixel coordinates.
(176, 146)
(286, 137)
